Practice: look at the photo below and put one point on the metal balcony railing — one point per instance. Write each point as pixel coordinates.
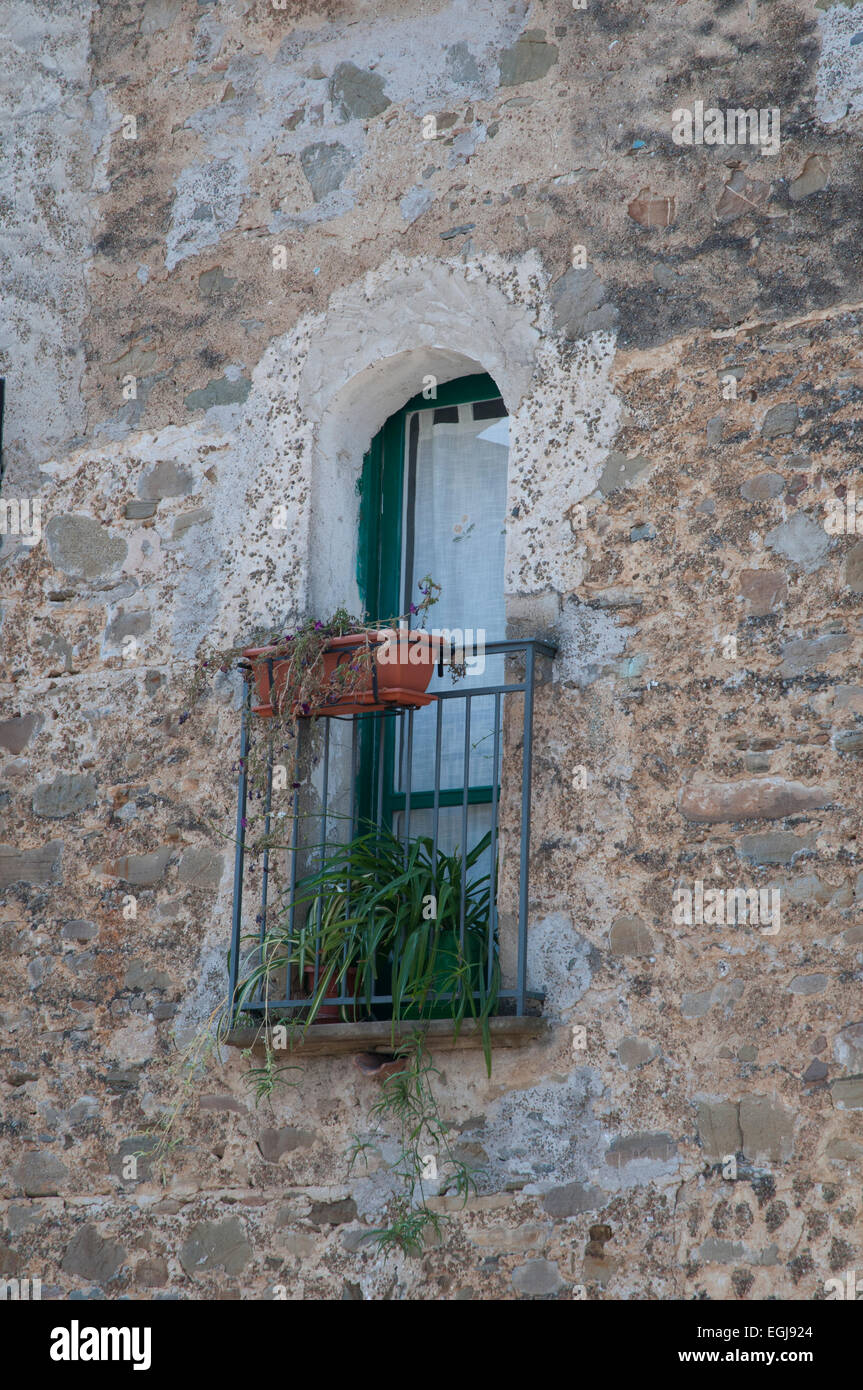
(456, 771)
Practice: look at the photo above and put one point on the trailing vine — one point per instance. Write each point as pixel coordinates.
(407, 1097)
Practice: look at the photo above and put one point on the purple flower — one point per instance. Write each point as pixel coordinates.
(413, 608)
(243, 822)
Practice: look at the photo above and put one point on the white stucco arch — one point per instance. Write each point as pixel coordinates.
(378, 342)
(322, 391)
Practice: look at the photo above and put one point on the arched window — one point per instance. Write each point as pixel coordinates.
(452, 778)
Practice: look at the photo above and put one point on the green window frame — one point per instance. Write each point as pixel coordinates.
(381, 586)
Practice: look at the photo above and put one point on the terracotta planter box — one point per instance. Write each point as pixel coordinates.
(403, 667)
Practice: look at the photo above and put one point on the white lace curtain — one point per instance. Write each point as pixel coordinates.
(458, 538)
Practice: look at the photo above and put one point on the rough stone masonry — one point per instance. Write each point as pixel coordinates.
(233, 245)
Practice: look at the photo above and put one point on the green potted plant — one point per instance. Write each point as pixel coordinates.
(319, 970)
(383, 917)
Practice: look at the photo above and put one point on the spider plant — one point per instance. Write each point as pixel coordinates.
(391, 912)
(408, 1098)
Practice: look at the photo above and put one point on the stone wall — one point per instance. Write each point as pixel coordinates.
(233, 254)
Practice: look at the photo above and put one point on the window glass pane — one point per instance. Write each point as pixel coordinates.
(455, 504)
(488, 410)
(450, 832)
(460, 765)
(456, 495)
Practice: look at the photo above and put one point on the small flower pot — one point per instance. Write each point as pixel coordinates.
(398, 676)
(332, 1013)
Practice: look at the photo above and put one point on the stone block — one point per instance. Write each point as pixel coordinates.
(719, 1128)
(803, 653)
(853, 568)
(221, 1105)
(572, 1199)
(622, 472)
(133, 624)
(139, 1147)
(79, 930)
(538, 1279)
(16, 733)
(152, 1273)
(333, 1213)
(82, 547)
(808, 984)
(762, 798)
(42, 864)
(142, 870)
(579, 305)
(651, 1147)
(326, 165)
(801, 540)
(143, 975)
(723, 1252)
(763, 488)
(275, 1142)
(767, 1128)
(201, 868)
(356, 93)
(848, 741)
(630, 937)
(528, 60)
(216, 1245)
(636, 1052)
(220, 391)
(41, 1174)
(199, 516)
(780, 419)
(139, 511)
(775, 847)
(165, 479)
(847, 1093)
(764, 590)
(69, 793)
(90, 1256)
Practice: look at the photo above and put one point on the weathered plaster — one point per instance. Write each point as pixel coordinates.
(50, 130)
(280, 256)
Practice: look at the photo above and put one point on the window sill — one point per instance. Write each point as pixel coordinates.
(335, 1039)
